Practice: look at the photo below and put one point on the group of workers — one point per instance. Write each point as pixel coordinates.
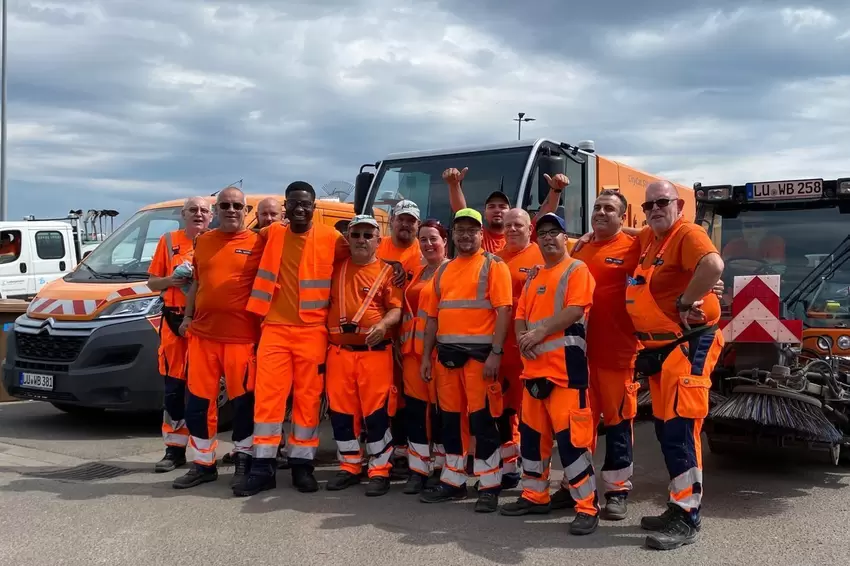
(513, 344)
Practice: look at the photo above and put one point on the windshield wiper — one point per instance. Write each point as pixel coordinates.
(133, 274)
(837, 257)
(97, 274)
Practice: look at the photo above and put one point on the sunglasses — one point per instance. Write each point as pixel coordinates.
(661, 203)
(364, 235)
(229, 205)
(196, 210)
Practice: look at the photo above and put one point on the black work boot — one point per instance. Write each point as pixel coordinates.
(584, 524)
(488, 502)
(242, 463)
(303, 479)
(377, 486)
(282, 458)
(434, 479)
(415, 484)
(254, 483)
(342, 480)
(615, 507)
(443, 492)
(175, 456)
(196, 476)
(562, 499)
(679, 530)
(523, 506)
(659, 522)
(401, 468)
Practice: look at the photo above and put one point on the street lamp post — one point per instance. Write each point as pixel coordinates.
(519, 122)
(3, 198)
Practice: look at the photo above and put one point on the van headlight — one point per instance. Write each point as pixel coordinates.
(824, 343)
(844, 342)
(144, 306)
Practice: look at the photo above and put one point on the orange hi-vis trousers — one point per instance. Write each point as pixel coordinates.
(614, 401)
(208, 362)
(566, 413)
(460, 392)
(426, 454)
(508, 423)
(173, 350)
(289, 359)
(679, 406)
(360, 388)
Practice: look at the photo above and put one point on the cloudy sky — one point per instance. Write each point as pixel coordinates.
(118, 103)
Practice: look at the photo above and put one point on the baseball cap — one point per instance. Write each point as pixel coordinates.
(551, 217)
(407, 207)
(499, 195)
(470, 213)
(363, 219)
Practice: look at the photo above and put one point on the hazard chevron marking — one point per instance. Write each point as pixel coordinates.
(755, 313)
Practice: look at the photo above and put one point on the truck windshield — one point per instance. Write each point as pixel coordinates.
(420, 180)
(126, 254)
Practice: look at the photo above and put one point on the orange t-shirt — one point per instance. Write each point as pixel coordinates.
(359, 280)
(284, 307)
(182, 250)
(519, 264)
(409, 257)
(769, 248)
(611, 340)
(225, 267)
(670, 279)
(459, 281)
(493, 242)
(534, 306)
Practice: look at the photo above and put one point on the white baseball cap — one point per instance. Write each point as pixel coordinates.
(363, 219)
(407, 207)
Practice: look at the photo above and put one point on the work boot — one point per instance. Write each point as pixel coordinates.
(175, 456)
(434, 479)
(253, 484)
(400, 469)
(242, 463)
(523, 506)
(342, 480)
(195, 476)
(282, 458)
(377, 486)
(510, 481)
(415, 484)
(488, 502)
(678, 531)
(659, 522)
(615, 507)
(303, 479)
(584, 524)
(562, 499)
(443, 492)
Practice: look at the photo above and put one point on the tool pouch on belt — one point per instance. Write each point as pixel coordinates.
(173, 318)
(540, 388)
(455, 356)
(650, 360)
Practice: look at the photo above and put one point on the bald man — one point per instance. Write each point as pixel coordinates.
(175, 249)
(268, 211)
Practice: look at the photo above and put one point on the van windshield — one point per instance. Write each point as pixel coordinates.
(127, 253)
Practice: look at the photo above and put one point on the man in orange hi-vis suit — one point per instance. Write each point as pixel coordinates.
(222, 338)
(173, 250)
(469, 315)
(550, 328)
(292, 292)
(675, 314)
(365, 306)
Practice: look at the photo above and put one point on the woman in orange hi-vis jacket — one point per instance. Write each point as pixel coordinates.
(426, 455)
(550, 328)
(469, 315)
(675, 314)
(173, 250)
(365, 306)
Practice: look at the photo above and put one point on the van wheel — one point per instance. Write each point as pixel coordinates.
(78, 410)
(225, 407)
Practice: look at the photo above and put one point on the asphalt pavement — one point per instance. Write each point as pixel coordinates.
(756, 511)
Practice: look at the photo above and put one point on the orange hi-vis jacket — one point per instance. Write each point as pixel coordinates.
(173, 249)
(414, 317)
(561, 357)
(314, 273)
(370, 284)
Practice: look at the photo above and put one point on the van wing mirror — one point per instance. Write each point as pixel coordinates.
(362, 184)
(548, 165)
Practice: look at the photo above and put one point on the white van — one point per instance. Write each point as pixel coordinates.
(34, 253)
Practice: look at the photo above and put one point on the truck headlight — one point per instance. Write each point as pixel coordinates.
(144, 306)
(824, 343)
(844, 342)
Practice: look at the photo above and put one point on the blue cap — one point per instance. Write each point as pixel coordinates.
(550, 217)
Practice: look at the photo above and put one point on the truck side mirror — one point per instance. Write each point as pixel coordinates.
(361, 190)
(550, 165)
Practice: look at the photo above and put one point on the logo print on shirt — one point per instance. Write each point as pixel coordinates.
(244, 252)
(541, 290)
(614, 260)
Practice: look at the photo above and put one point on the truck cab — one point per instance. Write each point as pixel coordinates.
(32, 254)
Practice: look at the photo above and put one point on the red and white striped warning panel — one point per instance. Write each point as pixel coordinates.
(78, 307)
(755, 313)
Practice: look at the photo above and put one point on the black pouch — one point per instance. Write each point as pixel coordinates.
(173, 318)
(650, 361)
(455, 356)
(348, 328)
(540, 388)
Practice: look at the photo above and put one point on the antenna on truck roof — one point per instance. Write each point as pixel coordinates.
(239, 182)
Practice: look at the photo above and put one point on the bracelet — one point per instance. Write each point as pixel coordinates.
(682, 307)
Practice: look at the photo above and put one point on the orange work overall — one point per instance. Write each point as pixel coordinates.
(680, 389)
(555, 401)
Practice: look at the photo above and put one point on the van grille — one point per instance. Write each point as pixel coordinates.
(43, 346)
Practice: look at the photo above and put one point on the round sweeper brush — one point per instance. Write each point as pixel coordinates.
(778, 411)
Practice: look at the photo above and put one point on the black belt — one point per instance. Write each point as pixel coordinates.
(365, 348)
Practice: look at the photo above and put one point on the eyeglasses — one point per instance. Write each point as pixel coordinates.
(661, 203)
(364, 235)
(229, 205)
(550, 233)
(467, 231)
(196, 209)
(292, 204)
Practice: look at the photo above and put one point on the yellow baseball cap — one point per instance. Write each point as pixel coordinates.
(470, 213)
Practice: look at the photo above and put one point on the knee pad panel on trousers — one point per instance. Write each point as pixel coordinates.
(196, 415)
(482, 425)
(243, 416)
(530, 443)
(343, 425)
(416, 416)
(174, 398)
(679, 446)
(618, 446)
(376, 425)
(451, 429)
(572, 457)
(505, 426)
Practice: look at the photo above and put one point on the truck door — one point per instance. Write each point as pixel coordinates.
(51, 257)
(576, 199)
(15, 269)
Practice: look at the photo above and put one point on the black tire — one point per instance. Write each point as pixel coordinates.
(78, 410)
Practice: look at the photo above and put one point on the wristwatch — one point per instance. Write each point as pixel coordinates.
(498, 350)
(682, 307)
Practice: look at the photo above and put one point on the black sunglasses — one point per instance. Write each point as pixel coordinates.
(229, 205)
(662, 203)
(364, 235)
